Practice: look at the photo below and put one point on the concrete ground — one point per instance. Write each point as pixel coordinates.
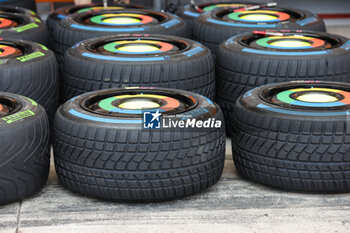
(232, 205)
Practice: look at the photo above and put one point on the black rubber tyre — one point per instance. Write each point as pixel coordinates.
(290, 146)
(27, 28)
(24, 147)
(32, 73)
(61, 13)
(17, 10)
(111, 156)
(28, 4)
(213, 28)
(73, 29)
(190, 67)
(240, 67)
(189, 13)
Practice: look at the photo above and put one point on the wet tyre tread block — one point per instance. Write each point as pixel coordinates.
(293, 154)
(165, 166)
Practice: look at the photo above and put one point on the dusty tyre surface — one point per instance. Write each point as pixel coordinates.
(294, 135)
(24, 147)
(103, 150)
(28, 4)
(250, 60)
(62, 13)
(86, 25)
(216, 26)
(189, 13)
(31, 70)
(137, 60)
(24, 27)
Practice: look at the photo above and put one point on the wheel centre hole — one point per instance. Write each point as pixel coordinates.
(259, 17)
(121, 20)
(290, 43)
(138, 48)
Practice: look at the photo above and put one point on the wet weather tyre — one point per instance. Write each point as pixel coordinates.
(31, 71)
(74, 29)
(291, 144)
(188, 13)
(242, 65)
(17, 10)
(109, 155)
(26, 28)
(28, 4)
(184, 64)
(213, 28)
(24, 147)
(61, 13)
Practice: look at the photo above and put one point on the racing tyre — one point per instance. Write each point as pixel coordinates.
(294, 135)
(17, 10)
(218, 25)
(189, 13)
(62, 13)
(28, 4)
(120, 144)
(250, 60)
(25, 27)
(24, 147)
(137, 60)
(30, 69)
(82, 26)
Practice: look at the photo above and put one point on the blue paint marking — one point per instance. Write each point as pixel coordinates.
(209, 100)
(193, 51)
(346, 46)
(193, 14)
(61, 16)
(171, 23)
(105, 120)
(104, 29)
(242, 24)
(231, 40)
(321, 105)
(307, 21)
(285, 53)
(249, 93)
(302, 113)
(110, 58)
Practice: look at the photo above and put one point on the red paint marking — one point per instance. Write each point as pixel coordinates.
(346, 95)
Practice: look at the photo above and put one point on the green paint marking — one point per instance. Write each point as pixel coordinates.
(30, 56)
(106, 104)
(32, 12)
(235, 16)
(18, 116)
(263, 42)
(1, 62)
(111, 47)
(32, 101)
(36, 19)
(284, 96)
(26, 27)
(43, 47)
(97, 19)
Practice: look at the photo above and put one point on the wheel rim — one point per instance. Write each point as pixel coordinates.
(8, 106)
(291, 41)
(132, 103)
(116, 18)
(212, 6)
(319, 96)
(259, 16)
(6, 23)
(137, 46)
(10, 49)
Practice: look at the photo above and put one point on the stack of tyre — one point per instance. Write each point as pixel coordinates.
(281, 82)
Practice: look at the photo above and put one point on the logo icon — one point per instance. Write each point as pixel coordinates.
(151, 120)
